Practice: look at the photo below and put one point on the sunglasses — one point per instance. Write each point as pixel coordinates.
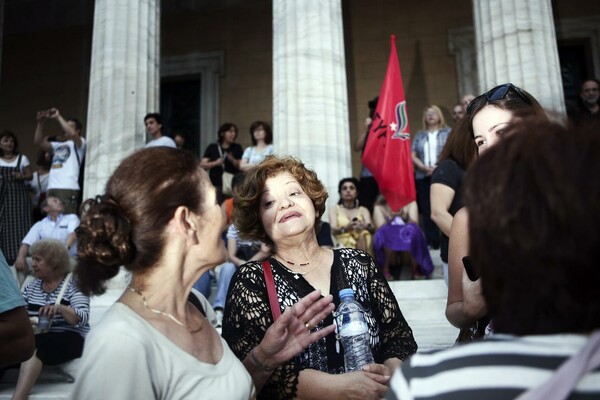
(498, 93)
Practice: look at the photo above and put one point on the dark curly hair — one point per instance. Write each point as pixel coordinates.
(14, 138)
(125, 226)
(268, 132)
(246, 216)
(155, 116)
(224, 128)
(352, 180)
(460, 146)
(533, 222)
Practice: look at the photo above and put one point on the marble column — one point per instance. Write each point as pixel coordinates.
(461, 44)
(124, 84)
(516, 42)
(310, 98)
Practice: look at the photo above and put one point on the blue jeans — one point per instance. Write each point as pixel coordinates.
(225, 275)
(203, 284)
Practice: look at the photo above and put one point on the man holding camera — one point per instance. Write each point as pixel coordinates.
(68, 152)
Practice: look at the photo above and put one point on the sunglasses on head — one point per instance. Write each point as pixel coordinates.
(498, 93)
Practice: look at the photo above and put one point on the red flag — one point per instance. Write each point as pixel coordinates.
(388, 151)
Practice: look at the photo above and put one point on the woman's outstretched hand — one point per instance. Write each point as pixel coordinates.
(294, 330)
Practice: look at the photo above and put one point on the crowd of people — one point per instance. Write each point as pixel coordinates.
(493, 194)
(39, 217)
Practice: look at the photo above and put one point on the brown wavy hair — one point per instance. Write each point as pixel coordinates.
(460, 145)
(516, 101)
(268, 132)
(125, 226)
(246, 208)
(14, 138)
(533, 222)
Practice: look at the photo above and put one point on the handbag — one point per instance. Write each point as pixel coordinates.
(271, 291)
(226, 178)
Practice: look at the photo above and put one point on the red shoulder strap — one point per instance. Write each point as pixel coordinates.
(271, 292)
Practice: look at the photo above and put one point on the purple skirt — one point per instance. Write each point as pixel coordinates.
(407, 237)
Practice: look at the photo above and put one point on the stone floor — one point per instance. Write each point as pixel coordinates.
(422, 302)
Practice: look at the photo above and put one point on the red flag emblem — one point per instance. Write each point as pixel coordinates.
(388, 151)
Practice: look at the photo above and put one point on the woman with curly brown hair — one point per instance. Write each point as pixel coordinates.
(281, 203)
(160, 219)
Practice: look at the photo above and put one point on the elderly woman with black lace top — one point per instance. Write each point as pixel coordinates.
(281, 203)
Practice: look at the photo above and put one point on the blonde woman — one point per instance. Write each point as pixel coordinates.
(427, 146)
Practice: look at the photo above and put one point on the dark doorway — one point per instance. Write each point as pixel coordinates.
(576, 66)
(180, 109)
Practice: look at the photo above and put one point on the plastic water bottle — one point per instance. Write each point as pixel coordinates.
(43, 324)
(353, 332)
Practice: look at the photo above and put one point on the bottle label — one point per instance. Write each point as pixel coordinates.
(352, 328)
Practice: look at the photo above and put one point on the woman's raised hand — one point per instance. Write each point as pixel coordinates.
(294, 330)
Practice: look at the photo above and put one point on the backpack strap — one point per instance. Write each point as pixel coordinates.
(271, 291)
(63, 289)
(77, 154)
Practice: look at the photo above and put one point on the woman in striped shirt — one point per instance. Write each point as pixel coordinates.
(62, 341)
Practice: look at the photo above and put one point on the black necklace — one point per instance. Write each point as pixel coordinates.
(297, 274)
(293, 263)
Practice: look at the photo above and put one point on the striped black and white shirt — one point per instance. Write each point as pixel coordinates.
(498, 368)
(36, 298)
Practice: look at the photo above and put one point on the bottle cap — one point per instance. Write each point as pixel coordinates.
(346, 293)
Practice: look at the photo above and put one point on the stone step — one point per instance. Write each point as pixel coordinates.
(423, 304)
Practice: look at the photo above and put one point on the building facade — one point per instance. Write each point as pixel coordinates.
(309, 67)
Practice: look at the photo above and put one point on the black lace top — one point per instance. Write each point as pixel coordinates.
(247, 316)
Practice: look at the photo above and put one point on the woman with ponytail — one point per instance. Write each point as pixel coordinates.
(160, 220)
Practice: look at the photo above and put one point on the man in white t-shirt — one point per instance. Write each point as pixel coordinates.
(153, 122)
(68, 153)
